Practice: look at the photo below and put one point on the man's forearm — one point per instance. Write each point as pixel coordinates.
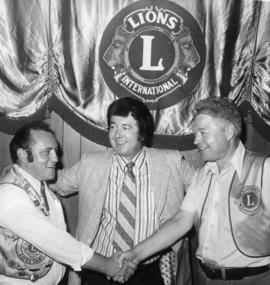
(165, 236)
(97, 263)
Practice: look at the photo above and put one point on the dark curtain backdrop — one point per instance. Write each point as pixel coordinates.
(49, 61)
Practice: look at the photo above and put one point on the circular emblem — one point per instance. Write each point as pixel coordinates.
(153, 50)
(249, 200)
(29, 254)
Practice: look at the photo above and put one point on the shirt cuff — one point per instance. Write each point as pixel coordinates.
(87, 254)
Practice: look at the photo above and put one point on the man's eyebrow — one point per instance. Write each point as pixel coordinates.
(50, 148)
(127, 124)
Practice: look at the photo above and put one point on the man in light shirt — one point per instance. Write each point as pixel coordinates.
(228, 202)
(34, 244)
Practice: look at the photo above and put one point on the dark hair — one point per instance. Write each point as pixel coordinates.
(220, 107)
(139, 111)
(23, 139)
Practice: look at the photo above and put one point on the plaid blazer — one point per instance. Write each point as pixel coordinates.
(170, 174)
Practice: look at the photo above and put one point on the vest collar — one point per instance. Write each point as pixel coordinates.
(33, 181)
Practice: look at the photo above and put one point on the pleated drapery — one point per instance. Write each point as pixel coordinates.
(49, 60)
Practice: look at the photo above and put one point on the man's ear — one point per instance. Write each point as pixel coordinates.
(22, 155)
(230, 131)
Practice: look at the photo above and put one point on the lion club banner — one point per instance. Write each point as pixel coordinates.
(77, 56)
(154, 51)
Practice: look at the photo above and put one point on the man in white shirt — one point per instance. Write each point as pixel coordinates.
(228, 201)
(34, 244)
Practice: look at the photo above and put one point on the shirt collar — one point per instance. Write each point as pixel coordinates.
(138, 159)
(236, 161)
(238, 157)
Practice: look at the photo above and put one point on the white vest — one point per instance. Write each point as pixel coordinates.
(18, 258)
(249, 220)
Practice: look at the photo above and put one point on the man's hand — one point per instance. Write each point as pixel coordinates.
(128, 257)
(119, 266)
(128, 262)
(120, 271)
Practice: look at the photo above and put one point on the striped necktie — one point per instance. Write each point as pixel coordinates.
(125, 224)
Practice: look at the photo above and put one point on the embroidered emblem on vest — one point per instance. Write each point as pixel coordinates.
(28, 253)
(249, 200)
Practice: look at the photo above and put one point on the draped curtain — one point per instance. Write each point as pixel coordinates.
(49, 61)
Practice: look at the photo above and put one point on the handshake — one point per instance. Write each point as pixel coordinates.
(121, 266)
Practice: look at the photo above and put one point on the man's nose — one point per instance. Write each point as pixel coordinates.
(54, 156)
(118, 133)
(196, 139)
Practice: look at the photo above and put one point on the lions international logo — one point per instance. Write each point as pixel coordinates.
(153, 50)
(249, 200)
(29, 254)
